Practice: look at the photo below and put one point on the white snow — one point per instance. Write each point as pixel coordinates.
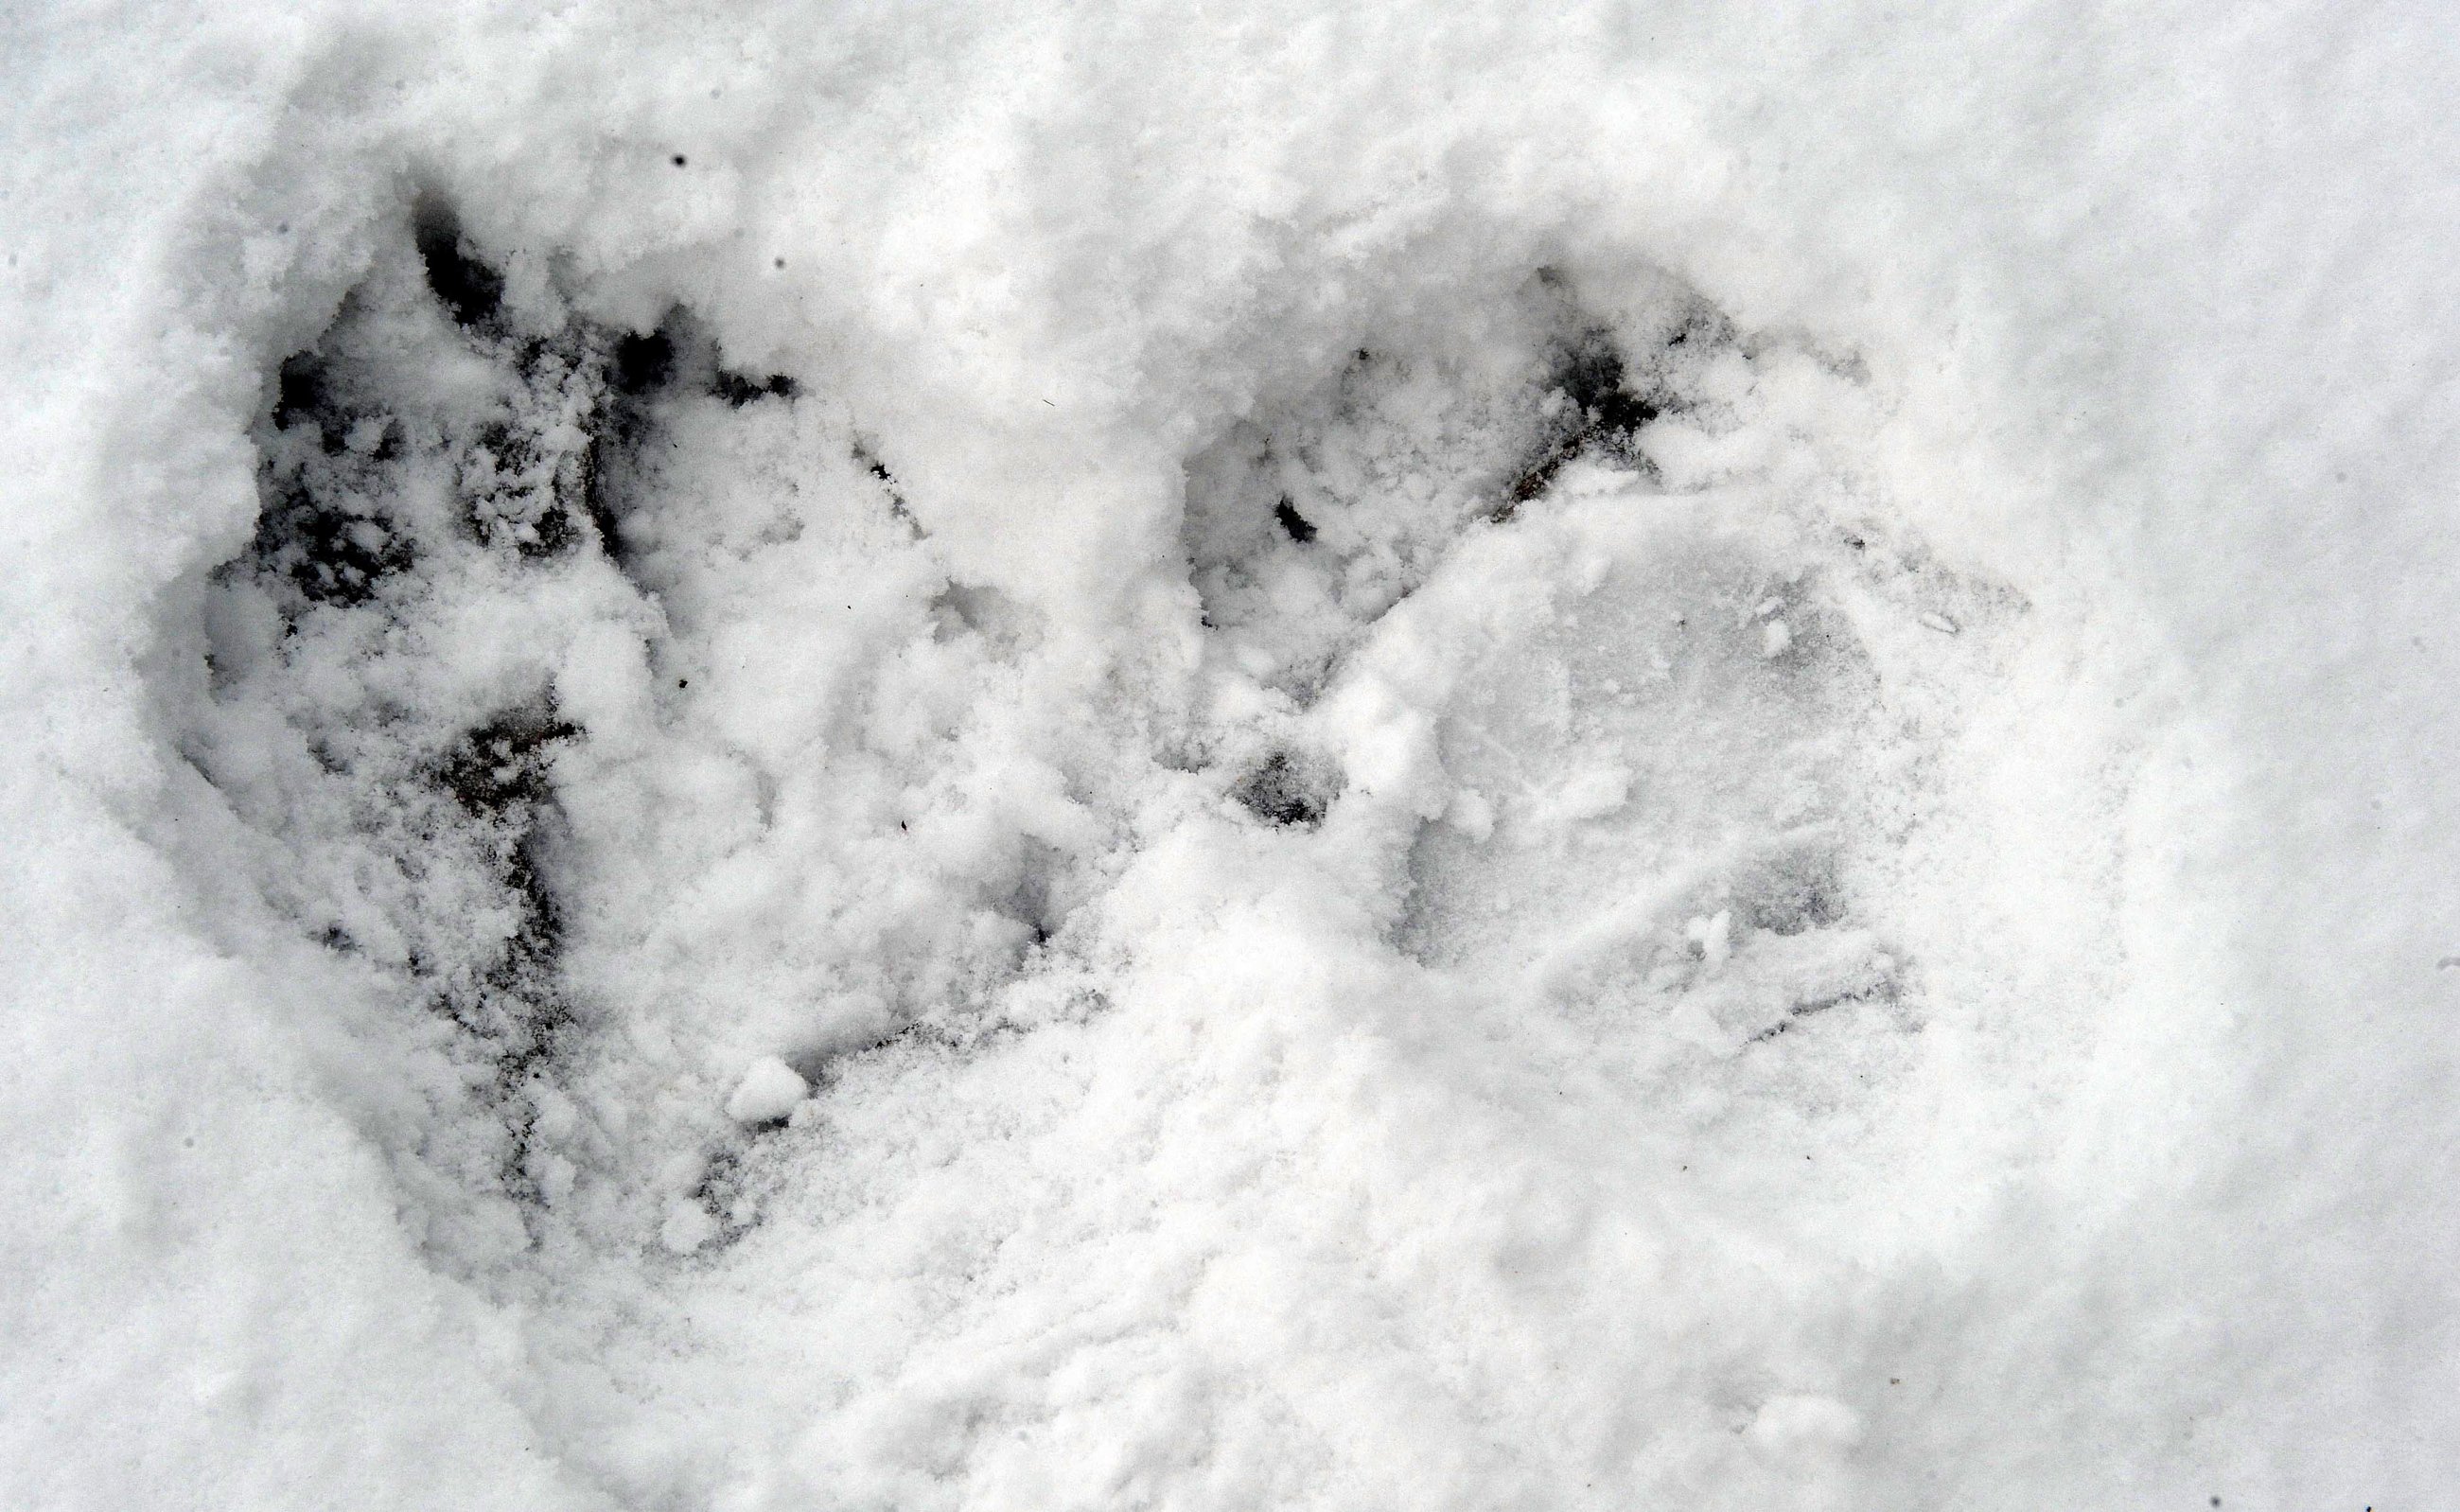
(1440, 755)
(770, 1090)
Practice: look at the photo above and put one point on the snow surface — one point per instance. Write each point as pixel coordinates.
(1420, 756)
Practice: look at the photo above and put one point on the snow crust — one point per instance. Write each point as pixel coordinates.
(1435, 756)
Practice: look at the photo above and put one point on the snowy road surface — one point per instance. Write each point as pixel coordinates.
(1443, 755)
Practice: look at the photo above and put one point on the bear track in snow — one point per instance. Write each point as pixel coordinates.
(1651, 699)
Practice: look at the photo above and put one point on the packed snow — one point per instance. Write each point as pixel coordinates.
(1456, 755)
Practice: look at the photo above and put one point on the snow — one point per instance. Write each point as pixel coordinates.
(1421, 758)
(768, 1091)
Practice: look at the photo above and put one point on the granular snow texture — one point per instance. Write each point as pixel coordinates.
(1086, 757)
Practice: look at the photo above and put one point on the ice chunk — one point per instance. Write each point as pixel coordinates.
(1598, 791)
(687, 1226)
(1714, 935)
(767, 1094)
